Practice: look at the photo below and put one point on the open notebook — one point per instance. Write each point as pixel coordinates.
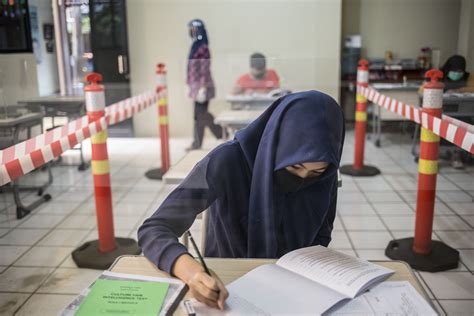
(307, 280)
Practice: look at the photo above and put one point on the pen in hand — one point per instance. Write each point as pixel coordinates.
(206, 269)
(219, 290)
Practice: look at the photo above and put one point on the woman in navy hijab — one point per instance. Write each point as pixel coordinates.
(200, 82)
(269, 191)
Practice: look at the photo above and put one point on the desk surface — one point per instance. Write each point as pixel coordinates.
(232, 269)
(22, 119)
(54, 99)
(396, 86)
(253, 98)
(179, 171)
(243, 117)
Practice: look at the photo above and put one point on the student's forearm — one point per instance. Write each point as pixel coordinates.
(185, 267)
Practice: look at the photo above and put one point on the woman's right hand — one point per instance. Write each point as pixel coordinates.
(205, 288)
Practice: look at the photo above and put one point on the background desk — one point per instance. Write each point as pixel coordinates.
(407, 93)
(179, 171)
(10, 127)
(232, 269)
(71, 107)
(57, 105)
(247, 102)
(176, 174)
(232, 121)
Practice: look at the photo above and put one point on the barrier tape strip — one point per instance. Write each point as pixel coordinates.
(24, 157)
(38, 156)
(447, 128)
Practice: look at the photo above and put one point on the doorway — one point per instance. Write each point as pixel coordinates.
(95, 39)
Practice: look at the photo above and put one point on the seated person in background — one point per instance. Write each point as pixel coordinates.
(456, 78)
(259, 80)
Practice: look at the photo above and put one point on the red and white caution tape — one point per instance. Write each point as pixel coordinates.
(24, 157)
(125, 109)
(459, 134)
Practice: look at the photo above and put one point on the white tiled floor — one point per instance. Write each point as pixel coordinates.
(39, 277)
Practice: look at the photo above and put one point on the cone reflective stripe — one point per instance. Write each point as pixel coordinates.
(428, 166)
(95, 105)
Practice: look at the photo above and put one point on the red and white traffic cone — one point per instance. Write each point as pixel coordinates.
(101, 253)
(421, 252)
(162, 91)
(358, 169)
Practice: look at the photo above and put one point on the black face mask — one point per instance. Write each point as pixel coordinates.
(287, 182)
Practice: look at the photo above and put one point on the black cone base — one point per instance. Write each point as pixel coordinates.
(154, 174)
(88, 255)
(366, 171)
(441, 258)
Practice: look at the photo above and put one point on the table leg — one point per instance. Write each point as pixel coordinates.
(379, 127)
(83, 165)
(21, 209)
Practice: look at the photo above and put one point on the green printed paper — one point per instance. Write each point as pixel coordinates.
(116, 297)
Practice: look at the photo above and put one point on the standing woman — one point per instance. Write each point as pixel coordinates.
(271, 190)
(201, 85)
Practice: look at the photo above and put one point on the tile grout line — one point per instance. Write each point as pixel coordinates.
(375, 210)
(57, 267)
(51, 229)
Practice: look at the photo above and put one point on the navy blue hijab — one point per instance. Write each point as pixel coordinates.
(301, 127)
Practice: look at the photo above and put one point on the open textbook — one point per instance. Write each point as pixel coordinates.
(311, 279)
(387, 298)
(308, 280)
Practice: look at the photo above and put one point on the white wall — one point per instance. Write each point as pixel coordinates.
(301, 39)
(404, 26)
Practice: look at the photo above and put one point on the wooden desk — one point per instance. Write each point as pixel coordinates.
(176, 174)
(232, 121)
(57, 105)
(232, 269)
(179, 171)
(256, 101)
